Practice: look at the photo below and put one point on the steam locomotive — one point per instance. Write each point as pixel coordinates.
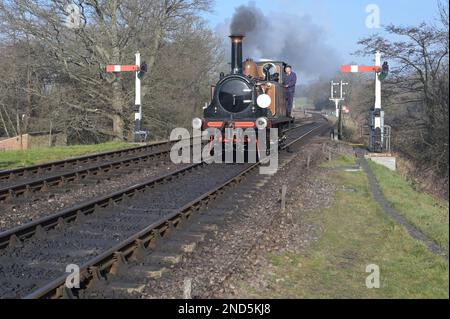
(252, 96)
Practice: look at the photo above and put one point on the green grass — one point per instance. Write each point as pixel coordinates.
(339, 162)
(13, 159)
(429, 214)
(351, 129)
(301, 102)
(355, 232)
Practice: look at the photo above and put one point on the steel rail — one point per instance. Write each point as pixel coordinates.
(45, 167)
(286, 146)
(300, 124)
(93, 271)
(78, 175)
(38, 227)
(132, 246)
(34, 185)
(16, 235)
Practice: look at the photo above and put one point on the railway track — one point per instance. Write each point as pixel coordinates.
(28, 181)
(74, 163)
(25, 182)
(105, 232)
(291, 140)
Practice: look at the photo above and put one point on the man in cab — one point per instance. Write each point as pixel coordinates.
(290, 81)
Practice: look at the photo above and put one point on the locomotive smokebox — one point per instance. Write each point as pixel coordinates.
(236, 54)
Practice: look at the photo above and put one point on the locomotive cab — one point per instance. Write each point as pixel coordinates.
(273, 73)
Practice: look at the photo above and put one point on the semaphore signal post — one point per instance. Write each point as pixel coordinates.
(140, 69)
(337, 100)
(379, 133)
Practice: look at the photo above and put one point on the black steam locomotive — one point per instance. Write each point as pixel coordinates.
(251, 96)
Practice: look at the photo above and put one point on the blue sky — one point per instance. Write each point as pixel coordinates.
(344, 21)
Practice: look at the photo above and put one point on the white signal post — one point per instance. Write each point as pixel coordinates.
(139, 134)
(377, 81)
(337, 101)
(137, 103)
(378, 119)
(377, 114)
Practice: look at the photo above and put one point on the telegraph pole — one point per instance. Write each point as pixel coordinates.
(337, 100)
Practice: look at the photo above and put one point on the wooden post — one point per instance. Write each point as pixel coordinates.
(50, 134)
(19, 130)
(283, 204)
(187, 288)
(283, 198)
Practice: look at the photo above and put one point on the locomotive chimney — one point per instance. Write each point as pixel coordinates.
(236, 54)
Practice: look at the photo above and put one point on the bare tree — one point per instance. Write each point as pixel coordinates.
(419, 83)
(103, 32)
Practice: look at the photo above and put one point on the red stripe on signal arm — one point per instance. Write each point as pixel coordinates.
(364, 68)
(129, 68)
(346, 68)
(121, 68)
(110, 68)
(359, 68)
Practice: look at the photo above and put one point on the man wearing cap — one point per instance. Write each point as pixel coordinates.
(290, 81)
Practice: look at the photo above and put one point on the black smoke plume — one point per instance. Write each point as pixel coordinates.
(244, 21)
(295, 39)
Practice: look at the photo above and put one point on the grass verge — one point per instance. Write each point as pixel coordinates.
(355, 233)
(428, 214)
(13, 159)
(339, 162)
